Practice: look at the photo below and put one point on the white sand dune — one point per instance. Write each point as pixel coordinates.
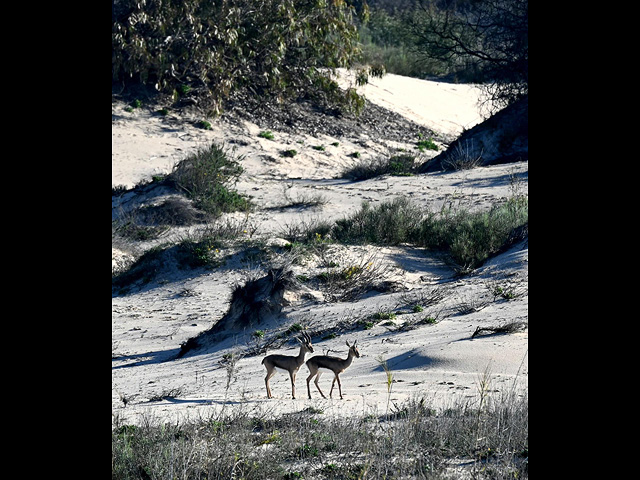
(440, 362)
(446, 107)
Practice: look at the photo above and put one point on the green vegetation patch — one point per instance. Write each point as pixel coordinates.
(207, 176)
(396, 165)
(468, 237)
(213, 49)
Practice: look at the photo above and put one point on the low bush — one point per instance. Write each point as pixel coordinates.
(389, 223)
(472, 237)
(396, 165)
(469, 237)
(206, 177)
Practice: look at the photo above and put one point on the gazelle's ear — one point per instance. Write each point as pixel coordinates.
(347, 341)
(354, 343)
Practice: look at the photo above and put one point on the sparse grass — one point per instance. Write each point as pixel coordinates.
(462, 157)
(422, 298)
(307, 231)
(295, 328)
(303, 199)
(151, 221)
(429, 320)
(389, 378)
(198, 248)
(384, 315)
(346, 283)
(412, 440)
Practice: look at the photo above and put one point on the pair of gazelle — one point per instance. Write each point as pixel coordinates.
(315, 364)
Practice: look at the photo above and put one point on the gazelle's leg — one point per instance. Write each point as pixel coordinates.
(266, 382)
(339, 386)
(332, 385)
(308, 387)
(318, 386)
(312, 373)
(292, 376)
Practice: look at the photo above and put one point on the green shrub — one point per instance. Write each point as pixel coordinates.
(384, 315)
(396, 165)
(193, 254)
(427, 144)
(389, 223)
(402, 165)
(206, 177)
(472, 237)
(469, 237)
(266, 134)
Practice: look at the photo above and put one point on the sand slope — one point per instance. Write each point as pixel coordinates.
(440, 362)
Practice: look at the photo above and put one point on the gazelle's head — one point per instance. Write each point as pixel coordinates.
(305, 341)
(353, 350)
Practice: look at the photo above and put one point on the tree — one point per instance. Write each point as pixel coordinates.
(490, 37)
(280, 48)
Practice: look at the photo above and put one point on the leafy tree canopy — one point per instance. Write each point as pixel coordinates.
(283, 48)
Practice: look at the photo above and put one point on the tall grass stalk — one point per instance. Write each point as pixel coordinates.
(387, 370)
(484, 382)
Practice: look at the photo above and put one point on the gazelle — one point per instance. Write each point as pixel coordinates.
(287, 363)
(337, 365)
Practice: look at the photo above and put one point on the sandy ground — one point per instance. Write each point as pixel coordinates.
(439, 362)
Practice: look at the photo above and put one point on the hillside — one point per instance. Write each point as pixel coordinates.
(431, 350)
